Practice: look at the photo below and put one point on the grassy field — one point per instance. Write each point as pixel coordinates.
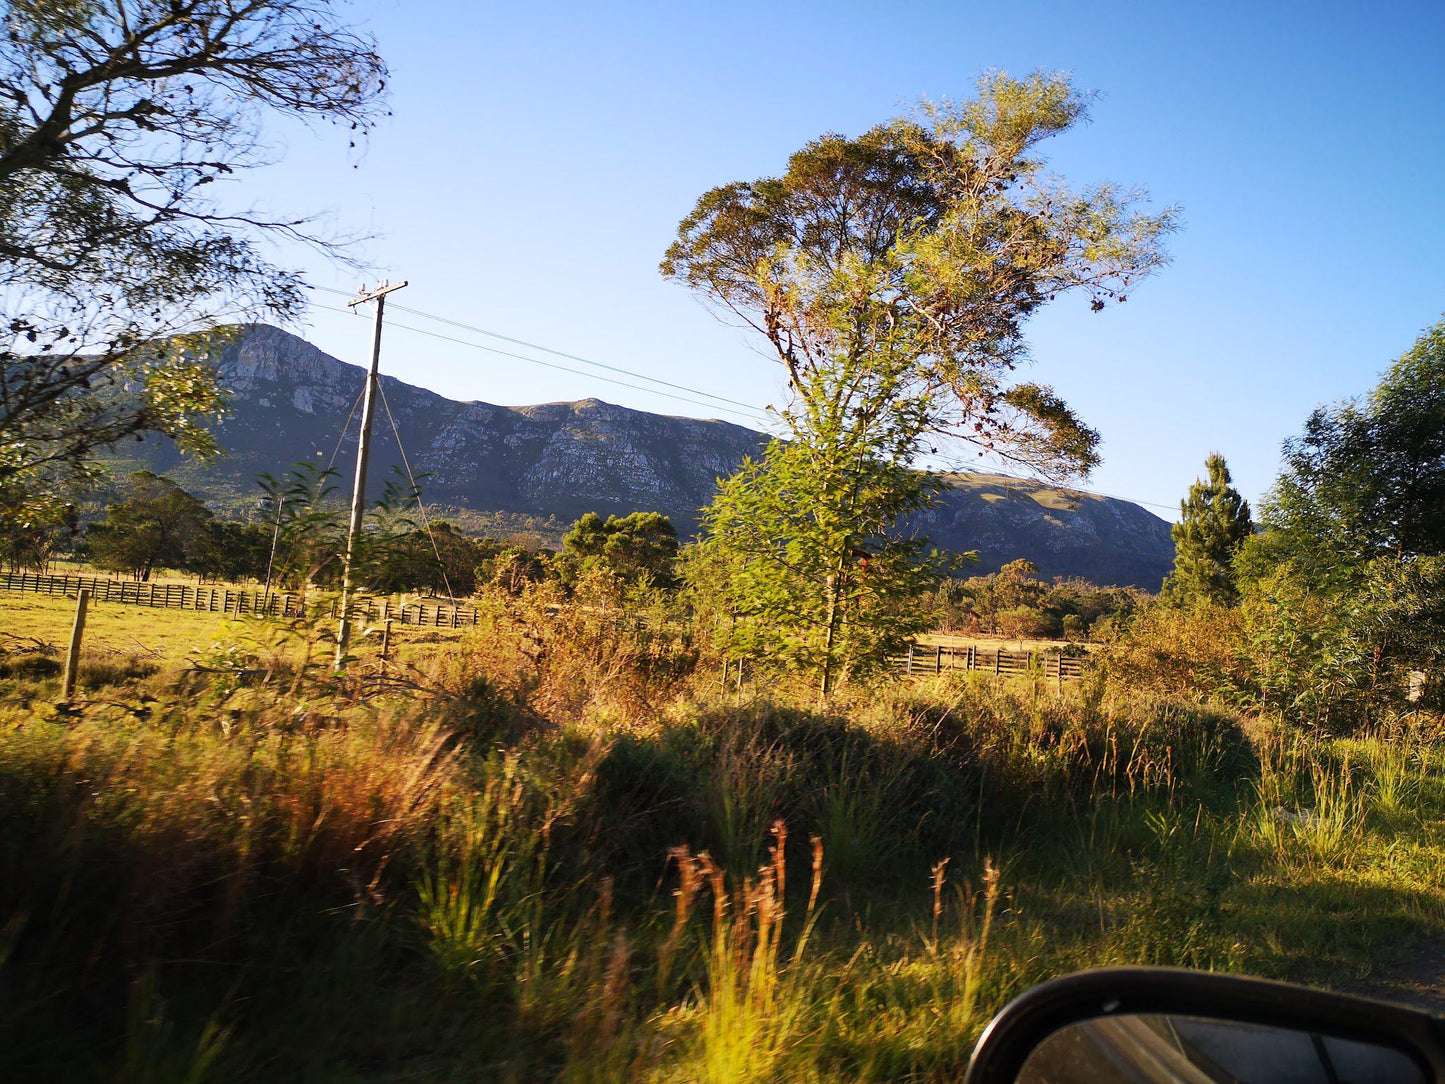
(112, 630)
(65, 566)
(992, 643)
(550, 850)
(125, 639)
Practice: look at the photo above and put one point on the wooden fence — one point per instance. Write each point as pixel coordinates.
(226, 600)
(922, 660)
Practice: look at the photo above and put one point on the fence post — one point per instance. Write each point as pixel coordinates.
(938, 661)
(72, 657)
(997, 658)
(909, 668)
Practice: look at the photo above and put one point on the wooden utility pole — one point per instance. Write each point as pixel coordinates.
(72, 657)
(275, 538)
(363, 449)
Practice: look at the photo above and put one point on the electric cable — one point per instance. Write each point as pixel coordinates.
(747, 411)
(416, 491)
(556, 353)
(345, 426)
(753, 414)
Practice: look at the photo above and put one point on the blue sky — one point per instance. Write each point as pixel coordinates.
(540, 157)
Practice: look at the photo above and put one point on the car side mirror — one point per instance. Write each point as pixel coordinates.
(1141, 1025)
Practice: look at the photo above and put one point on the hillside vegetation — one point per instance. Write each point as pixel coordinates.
(533, 469)
(558, 849)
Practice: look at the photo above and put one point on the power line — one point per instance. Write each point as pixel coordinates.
(416, 492)
(754, 414)
(561, 354)
(748, 411)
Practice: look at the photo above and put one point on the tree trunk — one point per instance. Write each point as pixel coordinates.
(830, 638)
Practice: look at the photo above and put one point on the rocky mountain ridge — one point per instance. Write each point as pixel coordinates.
(291, 402)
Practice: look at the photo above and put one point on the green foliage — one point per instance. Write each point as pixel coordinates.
(640, 547)
(801, 564)
(1213, 523)
(892, 274)
(35, 524)
(393, 553)
(515, 568)
(441, 560)
(1068, 608)
(1366, 479)
(1338, 657)
(1308, 664)
(1345, 591)
(308, 526)
(232, 551)
(155, 524)
(115, 258)
(1197, 652)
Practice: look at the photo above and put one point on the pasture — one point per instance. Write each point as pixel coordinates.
(549, 848)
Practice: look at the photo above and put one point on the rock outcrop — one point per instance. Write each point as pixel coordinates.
(291, 402)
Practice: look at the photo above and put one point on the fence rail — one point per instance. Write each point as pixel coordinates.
(922, 660)
(226, 600)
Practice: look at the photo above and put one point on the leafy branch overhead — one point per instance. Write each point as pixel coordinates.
(116, 122)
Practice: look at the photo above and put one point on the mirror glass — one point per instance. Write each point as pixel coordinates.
(1155, 1049)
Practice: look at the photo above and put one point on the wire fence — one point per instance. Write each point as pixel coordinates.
(242, 603)
(919, 661)
(922, 660)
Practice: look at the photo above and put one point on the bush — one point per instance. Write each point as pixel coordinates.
(1195, 653)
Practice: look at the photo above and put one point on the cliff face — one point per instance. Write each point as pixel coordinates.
(1065, 533)
(291, 402)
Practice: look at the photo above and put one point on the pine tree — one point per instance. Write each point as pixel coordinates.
(1213, 523)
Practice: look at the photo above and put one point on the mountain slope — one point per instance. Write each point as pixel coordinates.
(291, 402)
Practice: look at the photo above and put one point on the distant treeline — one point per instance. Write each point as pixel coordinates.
(1013, 602)
(297, 537)
(151, 524)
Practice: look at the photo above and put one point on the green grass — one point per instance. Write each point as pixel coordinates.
(553, 854)
(125, 640)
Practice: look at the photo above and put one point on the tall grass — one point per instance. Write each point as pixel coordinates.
(504, 865)
(473, 904)
(756, 1003)
(1308, 806)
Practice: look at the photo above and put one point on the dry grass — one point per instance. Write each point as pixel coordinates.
(992, 643)
(553, 852)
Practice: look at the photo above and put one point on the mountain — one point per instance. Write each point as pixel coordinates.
(556, 461)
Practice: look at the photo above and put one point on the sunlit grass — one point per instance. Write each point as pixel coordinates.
(497, 871)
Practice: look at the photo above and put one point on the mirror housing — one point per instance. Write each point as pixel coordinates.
(1023, 1025)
